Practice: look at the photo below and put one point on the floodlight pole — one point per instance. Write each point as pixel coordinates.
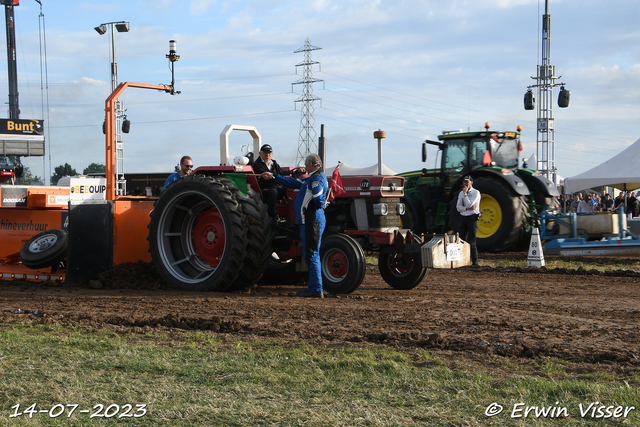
(110, 109)
(545, 82)
(121, 26)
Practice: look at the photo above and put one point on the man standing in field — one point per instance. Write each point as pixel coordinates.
(469, 207)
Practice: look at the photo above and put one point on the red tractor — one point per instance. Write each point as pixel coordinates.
(211, 231)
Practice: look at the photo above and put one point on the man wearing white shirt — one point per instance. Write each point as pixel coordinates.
(585, 206)
(469, 207)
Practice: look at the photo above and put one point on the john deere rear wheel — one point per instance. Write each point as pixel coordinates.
(503, 215)
(197, 236)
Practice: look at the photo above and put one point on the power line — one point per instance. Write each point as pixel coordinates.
(183, 120)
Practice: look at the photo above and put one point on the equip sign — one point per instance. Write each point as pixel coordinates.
(87, 189)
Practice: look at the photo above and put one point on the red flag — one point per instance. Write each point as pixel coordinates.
(335, 184)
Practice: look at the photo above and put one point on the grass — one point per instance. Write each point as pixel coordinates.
(197, 378)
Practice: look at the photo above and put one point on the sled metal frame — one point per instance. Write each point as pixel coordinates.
(623, 243)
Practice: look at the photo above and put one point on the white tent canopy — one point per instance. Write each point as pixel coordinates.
(532, 162)
(620, 171)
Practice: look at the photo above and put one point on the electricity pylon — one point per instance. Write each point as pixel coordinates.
(307, 140)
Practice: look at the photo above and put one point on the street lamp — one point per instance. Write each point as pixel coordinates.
(121, 27)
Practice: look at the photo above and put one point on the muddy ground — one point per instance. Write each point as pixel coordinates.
(578, 315)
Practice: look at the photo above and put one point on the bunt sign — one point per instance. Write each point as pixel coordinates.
(21, 137)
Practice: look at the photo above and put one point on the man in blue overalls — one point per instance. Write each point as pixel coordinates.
(309, 210)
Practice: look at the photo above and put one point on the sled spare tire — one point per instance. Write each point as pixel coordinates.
(45, 249)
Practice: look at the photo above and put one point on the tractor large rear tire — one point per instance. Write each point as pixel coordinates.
(503, 215)
(413, 219)
(259, 237)
(197, 236)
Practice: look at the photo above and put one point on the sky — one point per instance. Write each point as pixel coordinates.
(412, 68)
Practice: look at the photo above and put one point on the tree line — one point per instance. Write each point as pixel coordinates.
(67, 170)
(28, 178)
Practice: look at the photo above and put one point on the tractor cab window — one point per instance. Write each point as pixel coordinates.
(504, 151)
(478, 148)
(455, 155)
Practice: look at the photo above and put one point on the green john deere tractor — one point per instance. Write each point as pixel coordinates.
(512, 197)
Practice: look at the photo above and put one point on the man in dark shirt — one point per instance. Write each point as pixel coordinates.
(271, 192)
(632, 204)
(619, 200)
(607, 202)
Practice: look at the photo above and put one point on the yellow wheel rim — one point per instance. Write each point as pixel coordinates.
(490, 218)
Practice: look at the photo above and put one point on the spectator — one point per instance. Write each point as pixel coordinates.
(619, 200)
(632, 204)
(574, 205)
(606, 204)
(585, 206)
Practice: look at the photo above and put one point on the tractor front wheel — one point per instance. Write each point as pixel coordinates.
(343, 264)
(401, 270)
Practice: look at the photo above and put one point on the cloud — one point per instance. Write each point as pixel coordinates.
(199, 7)
(93, 7)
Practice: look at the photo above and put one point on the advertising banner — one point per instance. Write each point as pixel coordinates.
(21, 137)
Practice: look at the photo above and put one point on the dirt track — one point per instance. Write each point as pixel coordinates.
(573, 315)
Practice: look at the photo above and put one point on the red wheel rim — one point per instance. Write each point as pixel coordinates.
(402, 263)
(338, 264)
(209, 237)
